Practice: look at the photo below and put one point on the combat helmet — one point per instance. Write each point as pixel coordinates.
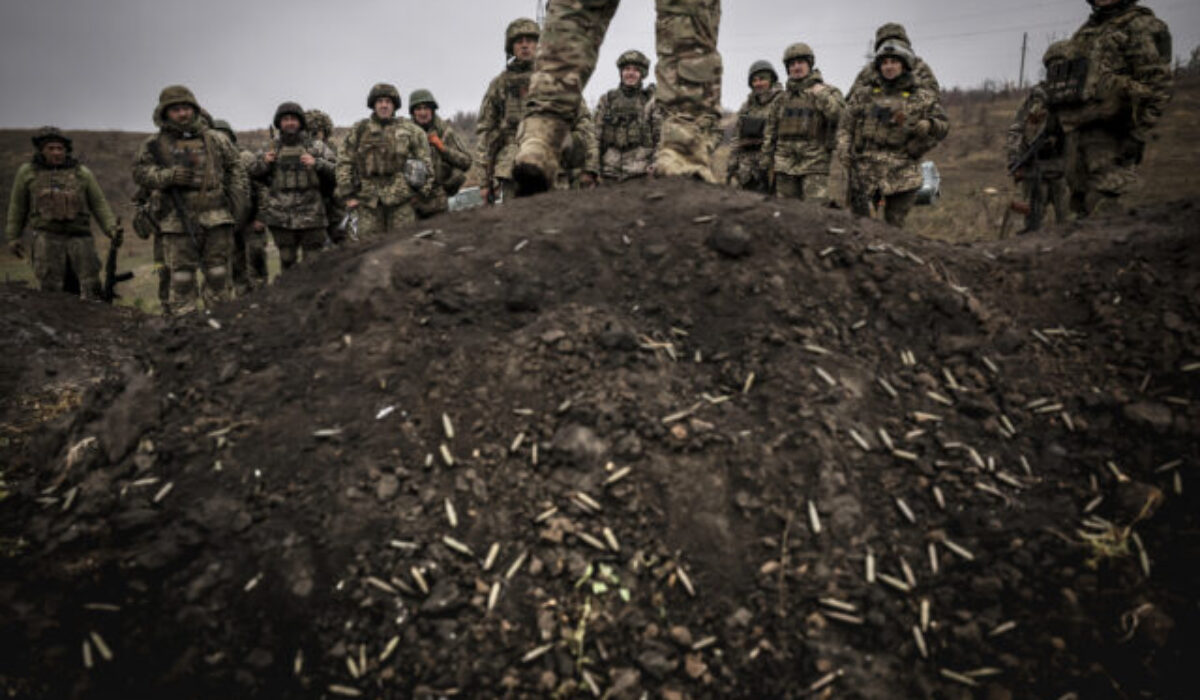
(522, 26)
(1057, 51)
(289, 108)
(894, 49)
(634, 57)
(224, 127)
(799, 52)
(891, 30)
(175, 95)
(383, 90)
(761, 67)
(316, 120)
(421, 97)
(50, 133)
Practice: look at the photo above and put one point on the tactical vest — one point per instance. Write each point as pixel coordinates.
(289, 174)
(516, 89)
(751, 129)
(193, 152)
(57, 194)
(1070, 82)
(378, 153)
(884, 122)
(625, 126)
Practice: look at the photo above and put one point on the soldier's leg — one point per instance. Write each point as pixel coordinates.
(689, 86)
(336, 213)
(897, 206)
(788, 187)
(163, 272)
(81, 251)
(402, 215)
(566, 58)
(311, 241)
(816, 189)
(1029, 191)
(1058, 196)
(1109, 175)
(287, 241)
(241, 278)
(218, 250)
(256, 256)
(48, 254)
(182, 258)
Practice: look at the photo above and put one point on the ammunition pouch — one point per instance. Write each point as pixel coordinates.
(377, 155)
(515, 92)
(290, 175)
(56, 194)
(752, 128)
(144, 224)
(1069, 82)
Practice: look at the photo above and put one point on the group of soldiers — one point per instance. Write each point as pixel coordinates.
(209, 205)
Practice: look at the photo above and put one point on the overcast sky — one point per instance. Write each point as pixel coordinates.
(100, 64)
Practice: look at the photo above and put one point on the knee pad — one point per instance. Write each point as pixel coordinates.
(183, 276)
(216, 274)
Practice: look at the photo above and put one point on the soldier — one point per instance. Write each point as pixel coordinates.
(922, 74)
(628, 129)
(451, 161)
(580, 159)
(249, 245)
(320, 127)
(57, 197)
(198, 191)
(801, 131)
(689, 86)
(1110, 95)
(290, 171)
(1036, 147)
(884, 132)
(749, 168)
(384, 164)
(501, 111)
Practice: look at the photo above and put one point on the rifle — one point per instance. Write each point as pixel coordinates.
(177, 199)
(489, 175)
(1035, 209)
(111, 277)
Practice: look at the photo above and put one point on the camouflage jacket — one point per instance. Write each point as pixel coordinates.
(499, 116)
(921, 73)
(879, 141)
(370, 166)
(627, 132)
(451, 165)
(581, 152)
(802, 124)
(1035, 117)
(219, 192)
(1126, 59)
(751, 127)
(255, 191)
(57, 200)
(292, 193)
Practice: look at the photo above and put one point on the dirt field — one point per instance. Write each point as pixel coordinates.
(669, 441)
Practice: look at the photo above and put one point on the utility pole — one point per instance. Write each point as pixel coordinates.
(1024, 47)
(541, 12)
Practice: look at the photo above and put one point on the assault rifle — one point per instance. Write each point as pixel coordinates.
(111, 277)
(1028, 162)
(177, 199)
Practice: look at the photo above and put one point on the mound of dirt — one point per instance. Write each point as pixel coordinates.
(668, 440)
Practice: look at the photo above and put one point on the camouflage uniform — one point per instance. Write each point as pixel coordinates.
(883, 134)
(921, 72)
(1110, 95)
(372, 163)
(749, 168)
(206, 170)
(628, 128)
(1042, 175)
(801, 132)
(320, 129)
(249, 246)
(293, 207)
(581, 152)
(58, 202)
(688, 75)
(500, 115)
(451, 161)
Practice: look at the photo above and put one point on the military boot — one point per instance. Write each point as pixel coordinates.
(685, 150)
(540, 139)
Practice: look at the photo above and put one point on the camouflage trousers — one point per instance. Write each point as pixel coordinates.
(383, 219)
(895, 206)
(688, 70)
(812, 188)
(162, 273)
(335, 212)
(66, 263)
(749, 170)
(1051, 191)
(212, 253)
(291, 241)
(437, 203)
(1102, 167)
(249, 259)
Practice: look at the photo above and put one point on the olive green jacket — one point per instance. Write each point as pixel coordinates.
(23, 211)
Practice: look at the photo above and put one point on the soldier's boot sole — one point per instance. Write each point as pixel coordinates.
(539, 139)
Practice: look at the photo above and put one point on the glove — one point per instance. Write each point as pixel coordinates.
(16, 248)
(117, 235)
(436, 141)
(923, 128)
(181, 176)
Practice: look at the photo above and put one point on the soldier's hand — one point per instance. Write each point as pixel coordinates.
(117, 235)
(181, 176)
(307, 160)
(352, 203)
(269, 157)
(16, 248)
(923, 128)
(436, 141)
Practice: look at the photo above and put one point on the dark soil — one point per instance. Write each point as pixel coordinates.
(257, 504)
